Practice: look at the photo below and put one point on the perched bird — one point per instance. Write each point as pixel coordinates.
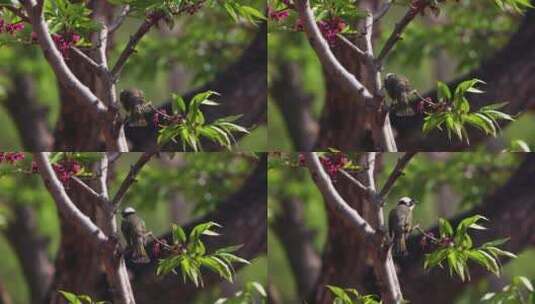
(399, 90)
(133, 101)
(134, 232)
(400, 224)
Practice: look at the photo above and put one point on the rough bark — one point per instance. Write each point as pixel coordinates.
(297, 242)
(30, 248)
(29, 117)
(511, 210)
(509, 78)
(78, 265)
(243, 216)
(346, 260)
(243, 89)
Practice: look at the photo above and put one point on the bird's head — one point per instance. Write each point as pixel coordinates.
(390, 76)
(407, 201)
(128, 210)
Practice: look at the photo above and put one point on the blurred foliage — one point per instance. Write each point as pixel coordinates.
(205, 179)
(520, 291)
(202, 181)
(466, 178)
(253, 293)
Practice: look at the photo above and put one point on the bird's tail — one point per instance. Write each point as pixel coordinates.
(400, 247)
(139, 254)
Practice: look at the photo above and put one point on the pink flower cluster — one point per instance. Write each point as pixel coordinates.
(328, 27)
(331, 163)
(64, 42)
(194, 8)
(277, 15)
(11, 28)
(11, 157)
(66, 169)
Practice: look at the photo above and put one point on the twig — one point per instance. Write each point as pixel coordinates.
(17, 11)
(98, 68)
(355, 181)
(363, 55)
(398, 29)
(119, 20)
(426, 234)
(131, 178)
(98, 197)
(396, 173)
(326, 56)
(382, 10)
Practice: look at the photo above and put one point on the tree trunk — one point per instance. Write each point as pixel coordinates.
(78, 263)
(346, 261)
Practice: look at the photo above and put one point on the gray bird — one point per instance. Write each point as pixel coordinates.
(399, 90)
(134, 232)
(133, 101)
(400, 224)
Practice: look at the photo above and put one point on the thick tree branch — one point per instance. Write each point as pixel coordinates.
(326, 56)
(382, 257)
(333, 198)
(119, 20)
(55, 59)
(65, 206)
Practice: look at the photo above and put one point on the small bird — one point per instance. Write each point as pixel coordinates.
(134, 232)
(400, 224)
(399, 90)
(133, 101)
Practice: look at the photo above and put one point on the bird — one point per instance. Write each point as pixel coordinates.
(399, 91)
(134, 103)
(134, 232)
(400, 224)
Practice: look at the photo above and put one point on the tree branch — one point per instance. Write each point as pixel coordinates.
(131, 178)
(398, 29)
(396, 173)
(326, 56)
(104, 203)
(64, 204)
(55, 59)
(333, 198)
(119, 20)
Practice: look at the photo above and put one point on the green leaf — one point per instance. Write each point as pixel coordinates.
(444, 227)
(178, 104)
(443, 91)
